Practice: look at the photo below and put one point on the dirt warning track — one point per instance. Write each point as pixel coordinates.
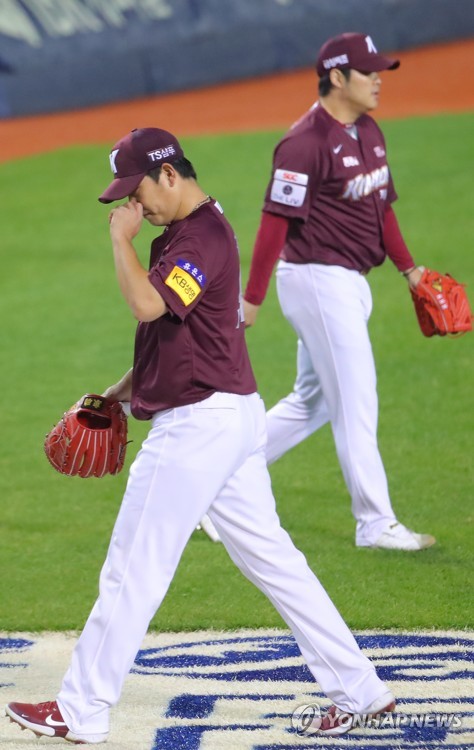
(430, 80)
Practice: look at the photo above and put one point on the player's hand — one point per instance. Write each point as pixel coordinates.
(121, 391)
(250, 313)
(414, 276)
(126, 220)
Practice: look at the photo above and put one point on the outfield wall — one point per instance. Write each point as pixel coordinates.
(66, 54)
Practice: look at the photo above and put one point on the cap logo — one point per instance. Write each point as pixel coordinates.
(112, 157)
(370, 45)
(333, 62)
(159, 154)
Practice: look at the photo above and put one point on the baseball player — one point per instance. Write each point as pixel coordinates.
(328, 216)
(204, 453)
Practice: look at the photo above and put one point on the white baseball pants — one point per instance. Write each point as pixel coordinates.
(207, 457)
(329, 308)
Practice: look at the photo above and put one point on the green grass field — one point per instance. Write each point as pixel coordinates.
(66, 331)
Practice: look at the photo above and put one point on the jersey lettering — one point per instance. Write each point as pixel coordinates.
(364, 184)
(289, 187)
(350, 161)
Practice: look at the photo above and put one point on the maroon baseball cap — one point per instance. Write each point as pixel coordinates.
(134, 156)
(356, 51)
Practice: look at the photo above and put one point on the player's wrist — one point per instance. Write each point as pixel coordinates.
(408, 272)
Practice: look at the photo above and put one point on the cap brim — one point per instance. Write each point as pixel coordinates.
(379, 63)
(121, 188)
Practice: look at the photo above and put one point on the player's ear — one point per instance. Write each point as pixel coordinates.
(169, 173)
(337, 78)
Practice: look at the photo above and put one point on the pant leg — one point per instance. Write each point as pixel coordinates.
(188, 456)
(247, 521)
(298, 415)
(329, 308)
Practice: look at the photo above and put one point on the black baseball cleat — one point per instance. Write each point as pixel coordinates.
(45, 720)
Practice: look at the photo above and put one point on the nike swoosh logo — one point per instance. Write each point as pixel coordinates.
(52, 723)
(337, 149)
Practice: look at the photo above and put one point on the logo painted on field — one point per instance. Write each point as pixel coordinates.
(252, 691)
(12, 658)
(263, 678)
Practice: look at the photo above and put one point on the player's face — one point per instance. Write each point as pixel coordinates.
(362, 91)
(160, 200)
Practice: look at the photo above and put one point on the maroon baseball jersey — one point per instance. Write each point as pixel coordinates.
(198, 346)
(335, 188)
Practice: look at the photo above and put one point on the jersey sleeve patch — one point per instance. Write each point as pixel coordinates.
(289, 188)
(186, 280)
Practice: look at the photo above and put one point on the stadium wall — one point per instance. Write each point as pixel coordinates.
(65, 54)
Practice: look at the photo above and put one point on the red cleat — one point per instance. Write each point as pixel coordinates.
(44, 719)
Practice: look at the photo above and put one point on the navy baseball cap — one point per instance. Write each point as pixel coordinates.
(356, 51)
(134, 156)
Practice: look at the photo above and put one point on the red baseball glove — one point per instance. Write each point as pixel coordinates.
(90, 440)
(441, 305)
